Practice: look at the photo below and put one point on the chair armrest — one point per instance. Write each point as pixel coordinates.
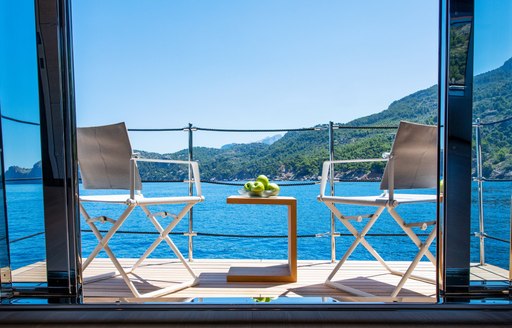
(194, 165)
(326, 167)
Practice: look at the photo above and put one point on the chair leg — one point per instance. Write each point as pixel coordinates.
(363, 232)
(360, 239)
(416, 240)
(164, 235)
(103, 240)
(103, 244)
(423, 250)
(408, 274)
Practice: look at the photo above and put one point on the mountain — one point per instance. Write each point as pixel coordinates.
(298, 155)
(271, 139)
(16, 172)
(492, 96)
(267, 140)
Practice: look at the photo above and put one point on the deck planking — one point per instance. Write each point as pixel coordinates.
(368, 276)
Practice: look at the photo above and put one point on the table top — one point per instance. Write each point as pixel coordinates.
(273, 200)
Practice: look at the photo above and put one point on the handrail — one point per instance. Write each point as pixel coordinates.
(330, 127)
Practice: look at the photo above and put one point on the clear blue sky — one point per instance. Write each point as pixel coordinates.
(246, 64)
(18, 82)
(235, 64)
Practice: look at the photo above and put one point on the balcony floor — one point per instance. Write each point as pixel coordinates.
(368, 276)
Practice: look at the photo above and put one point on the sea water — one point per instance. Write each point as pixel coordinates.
(215, 217)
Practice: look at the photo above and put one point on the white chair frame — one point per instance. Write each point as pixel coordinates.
(389, 201)
(131, 202)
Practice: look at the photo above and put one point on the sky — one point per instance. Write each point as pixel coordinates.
(252, 64)
(18, 83)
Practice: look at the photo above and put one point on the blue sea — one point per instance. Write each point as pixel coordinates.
(214, 216)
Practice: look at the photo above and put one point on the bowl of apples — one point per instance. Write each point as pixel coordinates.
(261, 187)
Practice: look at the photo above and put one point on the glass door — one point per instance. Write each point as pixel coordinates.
(36, 100)
(19, 98)
(476, 113)
(492, 144)
(5, 263)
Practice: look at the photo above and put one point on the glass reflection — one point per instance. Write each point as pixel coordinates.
(19, 101)
(492, 116)
(5, 271)
(459, 43)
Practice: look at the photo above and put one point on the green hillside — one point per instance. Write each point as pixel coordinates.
(492, 94)
(299, 155)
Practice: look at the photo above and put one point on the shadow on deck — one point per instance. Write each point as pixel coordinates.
(101, 285)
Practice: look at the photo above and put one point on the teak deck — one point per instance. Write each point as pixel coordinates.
(365, 275)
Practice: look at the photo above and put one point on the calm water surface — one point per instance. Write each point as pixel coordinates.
(216, 217)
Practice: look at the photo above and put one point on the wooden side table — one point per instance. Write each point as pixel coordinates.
(278, 273)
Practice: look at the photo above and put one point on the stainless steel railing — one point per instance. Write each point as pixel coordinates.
(479, 178)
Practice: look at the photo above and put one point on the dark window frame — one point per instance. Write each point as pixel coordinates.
(61, 199)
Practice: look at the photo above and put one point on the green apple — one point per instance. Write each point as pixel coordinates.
(263, 179)
(258, 187)
(274, 187)
(249, 185)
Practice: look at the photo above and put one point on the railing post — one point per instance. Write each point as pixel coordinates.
(510, 250)
(331, 182)
(190, 192)
(480, 182)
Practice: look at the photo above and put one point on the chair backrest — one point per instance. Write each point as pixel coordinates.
(415, 157)
(104, 154)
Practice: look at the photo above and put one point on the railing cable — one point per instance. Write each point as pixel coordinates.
(157, 130)
(280, 184)
(23, 179)
(27, 237)
(166, 181)
(497, 122)
(259, 130)
(354, 127)
(20, 121)
(496, 180)
(209, 234)
(240, 184)
(496, 238)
